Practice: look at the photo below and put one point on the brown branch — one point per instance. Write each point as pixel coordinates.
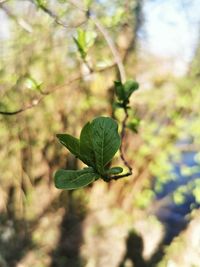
(55, 89)
(33, 104)
(116, 177)
(122, 140)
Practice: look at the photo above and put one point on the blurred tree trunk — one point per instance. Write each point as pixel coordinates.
(127, 39)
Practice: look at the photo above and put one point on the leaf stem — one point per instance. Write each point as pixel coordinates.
(122, 140)
(116, 177)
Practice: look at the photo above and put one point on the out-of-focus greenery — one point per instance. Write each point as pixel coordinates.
(68, 83)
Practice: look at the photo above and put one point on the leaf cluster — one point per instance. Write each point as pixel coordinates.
(98, 143)
(83, 41)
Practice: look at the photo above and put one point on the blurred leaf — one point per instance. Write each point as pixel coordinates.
(119, 90)
(115, 19)
(80, 49)
(114, 170)
(67, 179)
(32, 84)
(133, 125)
(117, 105)
(196, 193)
(129, 87)
(41, 3)
(178, 197)
(124, 91)
(84, 41)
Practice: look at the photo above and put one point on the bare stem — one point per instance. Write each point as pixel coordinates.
(122, 140)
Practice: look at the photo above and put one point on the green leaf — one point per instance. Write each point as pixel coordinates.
(133, 125)
(81, 42)
(84, 41)
(99, 141)
(80, 48)
(117, 105)
(41, 3)
(129, 87)
(70, 142)
(106, 141)
(67, 179)
(119, 90)
(124, 91)
(32, 84)
(86, 147)
(114, 170)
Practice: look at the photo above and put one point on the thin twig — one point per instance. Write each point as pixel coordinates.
(88, 66)
(116, 177)
(100, 27)
(122, 140)
(122, 74)
(55, 89)
(56, 17)
(33, 104)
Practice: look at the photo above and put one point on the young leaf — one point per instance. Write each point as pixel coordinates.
(133, 125)
(83, 41)
(124, 91)
(119, 90)
(70, 142)
(129, 87)
(67, 179)
(99, 141)
(80, 48)
(105, 140)
(114, 170)
(41, 3)
(32, 84)
(86, 146)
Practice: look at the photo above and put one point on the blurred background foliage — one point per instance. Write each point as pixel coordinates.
(56, 73)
